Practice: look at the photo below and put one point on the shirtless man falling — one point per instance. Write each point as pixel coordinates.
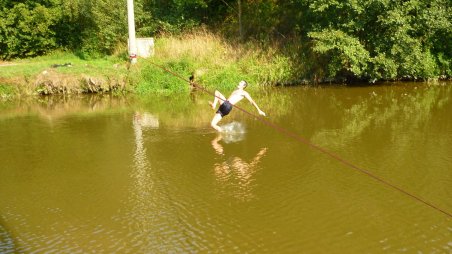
(227, 104)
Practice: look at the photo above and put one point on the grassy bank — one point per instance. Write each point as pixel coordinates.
(214, 62)
(61, 73)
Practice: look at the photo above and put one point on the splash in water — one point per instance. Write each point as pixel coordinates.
(233, 132)
(234, 127)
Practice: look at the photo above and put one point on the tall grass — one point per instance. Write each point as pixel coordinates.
(215, 62)
(6, 92)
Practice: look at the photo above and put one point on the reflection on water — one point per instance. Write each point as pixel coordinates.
(6, 241)
(142, 187)
(235, 175)
(148, 216)
(52, 108)
(148, 175)
(385, 108)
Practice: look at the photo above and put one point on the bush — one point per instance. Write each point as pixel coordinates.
(26, 32)
(348, 57)
(382, 67)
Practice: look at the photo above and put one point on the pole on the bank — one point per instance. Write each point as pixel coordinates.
(132, 38)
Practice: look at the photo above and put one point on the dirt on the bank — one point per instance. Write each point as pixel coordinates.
(3, 64)
(53, 82)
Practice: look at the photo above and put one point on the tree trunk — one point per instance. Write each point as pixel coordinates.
(239, 2)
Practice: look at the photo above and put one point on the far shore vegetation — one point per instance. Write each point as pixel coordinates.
(77, 46)
(214, 63)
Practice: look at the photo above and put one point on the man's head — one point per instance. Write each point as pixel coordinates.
(242, 84)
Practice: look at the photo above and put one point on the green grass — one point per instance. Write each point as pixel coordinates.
(6, 91)
(216, 63)
(34, 66)
(30, 76)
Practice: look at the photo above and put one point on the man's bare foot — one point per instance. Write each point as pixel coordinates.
(211, 105)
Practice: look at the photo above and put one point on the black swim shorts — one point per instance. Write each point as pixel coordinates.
(225, 108)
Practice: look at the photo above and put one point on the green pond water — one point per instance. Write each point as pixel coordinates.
(104, 174)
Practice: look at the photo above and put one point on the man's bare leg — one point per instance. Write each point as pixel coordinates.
(217, 98)
(215, 121)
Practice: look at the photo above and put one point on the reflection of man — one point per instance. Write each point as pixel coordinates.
(239, 170)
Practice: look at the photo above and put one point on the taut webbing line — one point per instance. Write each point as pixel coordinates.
(323, 150)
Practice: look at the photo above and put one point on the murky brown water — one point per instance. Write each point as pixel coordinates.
(101, 174)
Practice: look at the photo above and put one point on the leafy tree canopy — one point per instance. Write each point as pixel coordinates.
(348, 39)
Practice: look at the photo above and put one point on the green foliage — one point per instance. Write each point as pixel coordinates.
(406, 34)
(151, 79)
(347, 54)
(6, 91)
(365, 39)
(110, 19)
(215, 64)
(168, 16)
(403, 39)
(445, 65)
(93, 28)
(27, 32)
(382, 67)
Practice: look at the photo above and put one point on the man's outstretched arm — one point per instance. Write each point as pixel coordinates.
(247, 95)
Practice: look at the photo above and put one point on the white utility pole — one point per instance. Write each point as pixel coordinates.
(132, 39)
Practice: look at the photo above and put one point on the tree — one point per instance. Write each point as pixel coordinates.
(27, 32)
